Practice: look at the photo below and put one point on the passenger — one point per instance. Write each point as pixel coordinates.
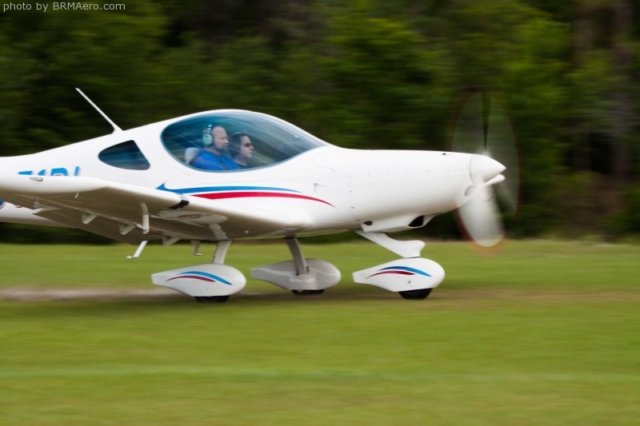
(214, 155)
(241, 149)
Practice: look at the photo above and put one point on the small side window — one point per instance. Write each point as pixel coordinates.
(125, 155)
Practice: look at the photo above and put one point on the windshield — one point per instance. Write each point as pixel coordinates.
(235, 140)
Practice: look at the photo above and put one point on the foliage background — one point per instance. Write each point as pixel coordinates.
(357, 73)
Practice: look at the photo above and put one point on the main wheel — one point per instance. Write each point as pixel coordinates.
(421, 294)
(212, 299)
(306, 292)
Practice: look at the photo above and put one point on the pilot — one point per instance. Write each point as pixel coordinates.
(241, 149)
(214, 155)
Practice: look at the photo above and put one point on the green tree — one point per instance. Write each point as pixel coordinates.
(109, 55)
(385, 88)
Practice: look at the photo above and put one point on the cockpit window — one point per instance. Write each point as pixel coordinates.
(235, 140)
(125, 155)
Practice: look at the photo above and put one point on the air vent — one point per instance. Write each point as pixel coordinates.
(417, 222)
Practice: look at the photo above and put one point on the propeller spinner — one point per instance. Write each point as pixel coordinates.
(484, 128)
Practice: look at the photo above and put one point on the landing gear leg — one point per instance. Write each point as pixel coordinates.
(301, 265)
(298, 258)
(221, 251)
(302, 276)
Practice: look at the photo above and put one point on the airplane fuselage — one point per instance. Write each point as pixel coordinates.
(326, 188)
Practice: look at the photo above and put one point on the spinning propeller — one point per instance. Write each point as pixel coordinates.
(483, 128)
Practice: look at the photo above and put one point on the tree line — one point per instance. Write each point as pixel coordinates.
(357, 73)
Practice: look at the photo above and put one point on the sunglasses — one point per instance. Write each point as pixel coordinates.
(247, 144)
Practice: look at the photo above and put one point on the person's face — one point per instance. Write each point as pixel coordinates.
(220, 138)
(246, 147)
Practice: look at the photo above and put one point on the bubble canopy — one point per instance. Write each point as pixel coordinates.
(255, 139)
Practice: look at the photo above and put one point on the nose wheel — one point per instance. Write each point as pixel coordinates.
(421, 294)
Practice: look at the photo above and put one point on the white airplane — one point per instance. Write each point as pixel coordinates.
(176, 180)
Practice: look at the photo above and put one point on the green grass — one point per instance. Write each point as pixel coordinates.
(543, 333)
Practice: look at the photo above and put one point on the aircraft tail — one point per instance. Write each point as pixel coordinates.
(10, 210)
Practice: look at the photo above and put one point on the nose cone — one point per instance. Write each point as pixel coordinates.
(484, 168)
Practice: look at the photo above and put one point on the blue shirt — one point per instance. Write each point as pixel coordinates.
(207, 160)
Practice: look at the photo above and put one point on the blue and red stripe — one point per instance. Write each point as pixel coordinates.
(199, 275)
(400, 270)
(226, 192)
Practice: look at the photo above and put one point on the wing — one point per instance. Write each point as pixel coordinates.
(132, 214)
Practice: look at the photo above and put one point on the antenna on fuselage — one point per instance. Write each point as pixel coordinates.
(115, 127)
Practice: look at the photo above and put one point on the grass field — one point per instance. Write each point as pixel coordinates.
(544, 333)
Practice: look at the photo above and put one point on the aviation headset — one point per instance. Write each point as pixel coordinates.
(207, 138)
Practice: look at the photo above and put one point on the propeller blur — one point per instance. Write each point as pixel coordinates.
(484, 128)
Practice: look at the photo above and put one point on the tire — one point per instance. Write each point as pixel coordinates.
(306, 292)
(212, 299)
(420, 294)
